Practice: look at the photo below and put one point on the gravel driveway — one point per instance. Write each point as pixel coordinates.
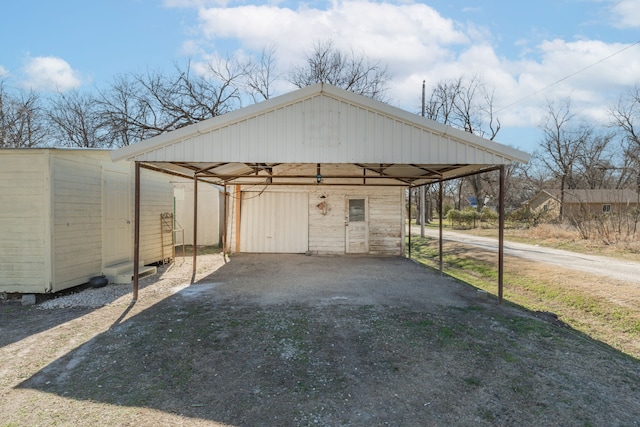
(626, 271)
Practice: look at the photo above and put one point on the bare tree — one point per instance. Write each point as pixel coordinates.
(140, 106)
(22, 119)
(76, 121)
(563, 142)
(626, 119)
(355, 72)
(126, 113)
(466, 104)
(626, 116)
(261, 74)
(590, 160)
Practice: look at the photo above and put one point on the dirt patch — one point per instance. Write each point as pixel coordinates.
(297, 341)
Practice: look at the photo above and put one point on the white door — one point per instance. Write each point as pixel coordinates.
(357, 225)
(116, 215)
(273, 222)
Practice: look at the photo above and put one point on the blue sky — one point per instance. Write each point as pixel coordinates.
(520, 49)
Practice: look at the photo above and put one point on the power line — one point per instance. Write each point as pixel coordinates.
(568, 76)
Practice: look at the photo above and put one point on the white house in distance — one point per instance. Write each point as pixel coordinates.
(66, 215)
(320, 170)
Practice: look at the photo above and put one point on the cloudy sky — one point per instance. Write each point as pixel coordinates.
(529, 52)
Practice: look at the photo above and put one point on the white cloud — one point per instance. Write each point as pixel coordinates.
(3, 72)
(195, 3)
(418, 44)
(50, 73)
(360, 25)
(626, 14)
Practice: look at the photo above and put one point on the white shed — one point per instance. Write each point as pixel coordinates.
(66, 216)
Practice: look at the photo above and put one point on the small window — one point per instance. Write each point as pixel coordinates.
(356, 210)
(606, 208)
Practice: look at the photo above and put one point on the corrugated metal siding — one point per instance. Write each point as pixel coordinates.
(209, 207)
(77, 218)
(24, 221)
(274, 222)
(326, 130)
(156, 197)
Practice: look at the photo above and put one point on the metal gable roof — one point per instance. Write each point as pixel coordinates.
(322, 124)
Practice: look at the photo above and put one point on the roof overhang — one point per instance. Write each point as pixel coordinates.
(320, 135)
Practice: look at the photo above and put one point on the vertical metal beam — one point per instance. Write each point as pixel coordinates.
(238, 200)
(501, 236)
(441, 207)
(422, 210)
(225, 200)
(195, 224)
(136, 232)
(409, 236)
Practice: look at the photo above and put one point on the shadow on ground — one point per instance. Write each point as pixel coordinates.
(20, 322)
(344, 341)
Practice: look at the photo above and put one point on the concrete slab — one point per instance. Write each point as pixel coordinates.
(299, 279)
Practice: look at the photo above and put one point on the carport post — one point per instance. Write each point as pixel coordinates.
(224, 221)
(409, 237)
(136, 232)
(195, 223)
(501, 236)
(441, 203)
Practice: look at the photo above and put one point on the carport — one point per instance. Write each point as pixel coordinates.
(319, 137)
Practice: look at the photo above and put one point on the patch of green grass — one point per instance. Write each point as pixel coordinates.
(473, 381)
(419, 325)
(486, 414)
(508, 357)
(446, 335)
(590, 314)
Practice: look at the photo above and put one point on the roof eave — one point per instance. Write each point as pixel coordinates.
(132, 151)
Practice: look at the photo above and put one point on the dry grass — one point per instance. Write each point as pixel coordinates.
(562, 237)
(605, 309)
(548, 232)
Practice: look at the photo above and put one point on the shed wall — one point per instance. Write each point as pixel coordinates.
(156, 198)
(326, 231)
(24, 222)
(77, 217)
(51, 218)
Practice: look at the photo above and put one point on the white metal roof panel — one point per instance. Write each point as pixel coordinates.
(321, 124)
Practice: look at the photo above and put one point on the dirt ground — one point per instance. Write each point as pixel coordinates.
(263, 340)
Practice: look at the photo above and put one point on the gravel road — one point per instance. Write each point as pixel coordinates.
(627, 271)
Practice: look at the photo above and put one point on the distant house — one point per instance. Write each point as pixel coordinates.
(592, 202)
